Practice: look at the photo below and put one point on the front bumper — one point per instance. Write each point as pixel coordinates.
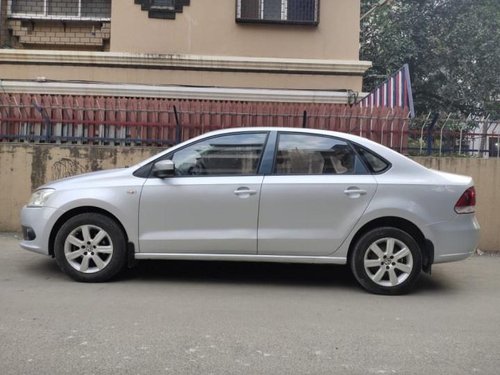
(37, 224)
(454, 240)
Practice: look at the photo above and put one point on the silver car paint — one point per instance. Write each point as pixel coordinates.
(408, 190)
(286, 228)
(200, 215)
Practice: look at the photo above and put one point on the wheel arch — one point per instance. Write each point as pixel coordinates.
(425, 244)
(81, 210)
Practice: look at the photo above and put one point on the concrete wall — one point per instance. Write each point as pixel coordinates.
(25, 167)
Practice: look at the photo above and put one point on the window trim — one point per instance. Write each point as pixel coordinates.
(284, 12)
(46, 17)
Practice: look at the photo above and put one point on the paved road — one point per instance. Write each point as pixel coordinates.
(224, 318)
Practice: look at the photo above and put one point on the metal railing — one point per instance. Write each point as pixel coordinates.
(163, 122)
(454, 135)
(149, 121)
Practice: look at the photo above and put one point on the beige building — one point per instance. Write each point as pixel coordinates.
(269, 50)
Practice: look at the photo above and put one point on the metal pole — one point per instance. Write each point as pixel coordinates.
(421, 141)
(178, 128)
(498, 146)
(304, 120)
(460, 141)
(441, 135)
(402, 135)
(383, 127)
(485, 134)
(392, 129)
(429, 133)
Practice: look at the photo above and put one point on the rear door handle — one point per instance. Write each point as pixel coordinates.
(354, 192)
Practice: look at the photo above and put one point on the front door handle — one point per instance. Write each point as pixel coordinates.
(241, 192)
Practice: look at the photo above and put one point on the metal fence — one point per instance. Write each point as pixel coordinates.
(163, 122)
(125, 121)
(454, 135)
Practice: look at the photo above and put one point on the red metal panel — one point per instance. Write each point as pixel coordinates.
(123, 120)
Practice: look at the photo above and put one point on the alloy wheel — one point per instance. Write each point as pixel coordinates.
(88, 249)
(388, 262)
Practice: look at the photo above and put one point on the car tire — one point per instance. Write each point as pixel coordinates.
(386, 261)
(90, 247)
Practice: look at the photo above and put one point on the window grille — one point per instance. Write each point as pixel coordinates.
(278, 11)
(61, 9)
(163, 9)
(163, 4)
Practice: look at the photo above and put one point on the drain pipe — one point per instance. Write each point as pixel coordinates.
(3, 26)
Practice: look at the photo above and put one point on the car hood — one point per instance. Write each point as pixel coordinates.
(96, 178)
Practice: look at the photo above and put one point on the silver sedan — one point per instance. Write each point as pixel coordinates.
(260, 195)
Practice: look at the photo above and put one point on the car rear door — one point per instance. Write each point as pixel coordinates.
(317, 192)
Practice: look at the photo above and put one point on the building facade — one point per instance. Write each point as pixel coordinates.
(306, 45)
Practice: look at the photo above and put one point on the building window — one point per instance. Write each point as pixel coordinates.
(163, 9)
(305, 12)
(99, 10)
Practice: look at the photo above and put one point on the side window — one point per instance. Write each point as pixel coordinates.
(227, 155)
(374, 162)
(315, 155)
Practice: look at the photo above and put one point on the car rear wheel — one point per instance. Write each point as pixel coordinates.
(386, 261)
(90, 248)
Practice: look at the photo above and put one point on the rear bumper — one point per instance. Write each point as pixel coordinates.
(454, 240)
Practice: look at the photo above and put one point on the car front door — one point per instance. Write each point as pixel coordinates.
(210, 205)
(317, 192)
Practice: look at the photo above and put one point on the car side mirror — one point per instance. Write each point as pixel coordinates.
(164, 169)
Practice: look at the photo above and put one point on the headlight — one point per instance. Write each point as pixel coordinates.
(39, 197)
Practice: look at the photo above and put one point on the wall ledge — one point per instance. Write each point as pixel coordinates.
(185, 62)
(174, 92)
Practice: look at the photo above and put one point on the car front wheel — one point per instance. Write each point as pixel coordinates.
(386, 261)
(90, 247)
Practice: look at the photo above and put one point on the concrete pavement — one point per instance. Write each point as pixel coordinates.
(238, 318)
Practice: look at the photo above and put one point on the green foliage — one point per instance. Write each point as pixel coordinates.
(452, 47)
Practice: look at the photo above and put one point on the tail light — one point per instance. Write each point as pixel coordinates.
(467, 202)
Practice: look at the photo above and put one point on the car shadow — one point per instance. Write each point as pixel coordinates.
(277, 274)
(241, 273)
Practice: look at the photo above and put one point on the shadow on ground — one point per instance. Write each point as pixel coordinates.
(278, 274)
(240, 273)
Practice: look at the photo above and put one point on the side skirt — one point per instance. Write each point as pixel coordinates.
(242, 258)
